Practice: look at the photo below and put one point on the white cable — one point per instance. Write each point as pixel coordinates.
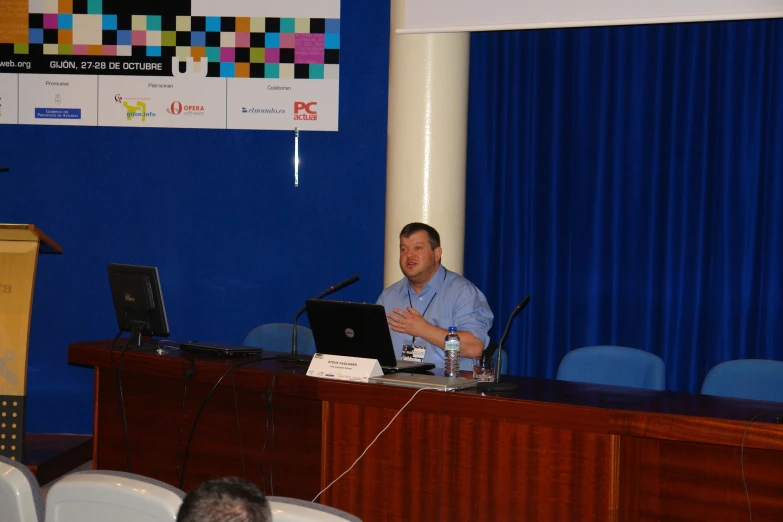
(374, 440)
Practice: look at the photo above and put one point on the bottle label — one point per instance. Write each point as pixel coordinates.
(452, 345)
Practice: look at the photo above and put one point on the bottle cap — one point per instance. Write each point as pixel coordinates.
(452, 329)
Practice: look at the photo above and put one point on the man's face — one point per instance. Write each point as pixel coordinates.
(418, 260)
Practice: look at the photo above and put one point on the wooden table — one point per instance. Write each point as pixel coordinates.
(549, 451)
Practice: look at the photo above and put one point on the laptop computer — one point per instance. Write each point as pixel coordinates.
(410, 380)
(356, 330)
(219, 349)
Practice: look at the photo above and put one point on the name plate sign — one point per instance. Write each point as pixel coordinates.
(343, 368)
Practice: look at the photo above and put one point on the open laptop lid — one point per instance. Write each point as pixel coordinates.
(353, 330)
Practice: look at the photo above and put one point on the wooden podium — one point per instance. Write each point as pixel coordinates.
(19, 248)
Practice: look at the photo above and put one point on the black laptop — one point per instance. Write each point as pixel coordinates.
(220, 349)
(356, 330)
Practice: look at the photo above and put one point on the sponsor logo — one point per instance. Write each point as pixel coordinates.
(178, 108)
(139, 110)
(58, 100)
(58, 114)
(119, 98)
(256, 110)
(305, 111)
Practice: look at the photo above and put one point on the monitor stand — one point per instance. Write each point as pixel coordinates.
(137, 342)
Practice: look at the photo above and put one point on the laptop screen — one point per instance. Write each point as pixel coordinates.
(351, 329)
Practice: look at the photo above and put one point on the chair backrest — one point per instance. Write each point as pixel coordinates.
(295, 510)
(277, 337)
(20, 495)
(615, 365)
(114, 496)
(759, 379)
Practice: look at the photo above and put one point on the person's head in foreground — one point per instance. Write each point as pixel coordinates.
(226, 499)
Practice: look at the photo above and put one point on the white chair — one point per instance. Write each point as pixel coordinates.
(20, 495)
(100, 496)
(295, 510)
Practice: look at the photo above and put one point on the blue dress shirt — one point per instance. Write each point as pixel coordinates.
(448, 299)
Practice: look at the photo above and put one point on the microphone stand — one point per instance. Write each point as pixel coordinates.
(295, 357)
(496, 385)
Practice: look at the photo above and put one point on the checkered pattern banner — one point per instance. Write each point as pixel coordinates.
(234, 47)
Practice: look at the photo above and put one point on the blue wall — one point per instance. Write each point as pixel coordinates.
(236, 244)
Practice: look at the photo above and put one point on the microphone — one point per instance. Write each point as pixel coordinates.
(497, 385)
(4, 169)
(339, 286)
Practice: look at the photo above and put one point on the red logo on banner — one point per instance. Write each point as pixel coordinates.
(305, 111)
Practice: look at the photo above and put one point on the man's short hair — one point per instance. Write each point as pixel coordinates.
(411, 228)
(226, 499)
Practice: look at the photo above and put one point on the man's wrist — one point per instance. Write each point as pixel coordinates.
(435, 336)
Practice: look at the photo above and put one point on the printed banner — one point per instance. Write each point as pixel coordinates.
(233, 64)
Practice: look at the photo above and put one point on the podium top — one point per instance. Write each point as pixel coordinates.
(14, 232)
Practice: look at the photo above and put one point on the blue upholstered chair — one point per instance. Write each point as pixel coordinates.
(615, 365)
(759, 379)
(277, 337)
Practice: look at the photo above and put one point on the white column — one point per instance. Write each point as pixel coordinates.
(427, 139)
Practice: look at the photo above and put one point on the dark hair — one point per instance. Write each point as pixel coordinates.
(226, 499)
(411, 228)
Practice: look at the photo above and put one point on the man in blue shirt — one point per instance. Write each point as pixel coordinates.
(421, 306)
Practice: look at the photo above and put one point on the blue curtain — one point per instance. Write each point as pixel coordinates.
(629, 178)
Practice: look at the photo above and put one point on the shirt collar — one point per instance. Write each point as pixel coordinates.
(435, 283)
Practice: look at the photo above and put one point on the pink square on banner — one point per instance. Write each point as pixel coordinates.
(243, 39)
(139, 37)
(109, 50)
(287, 40)
(272, 55)
(309, 48)
(80, 50)
(227, 54)
(50, 21)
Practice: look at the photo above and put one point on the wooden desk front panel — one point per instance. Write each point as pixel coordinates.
(498, 470)
(228, 440)
(398, 478)
(516, 471)
(677, 481)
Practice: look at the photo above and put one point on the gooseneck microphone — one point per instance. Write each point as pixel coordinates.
(339, 286)
(4, 169)
(497, 385)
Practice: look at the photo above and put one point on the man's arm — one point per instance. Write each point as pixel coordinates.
(411, 322)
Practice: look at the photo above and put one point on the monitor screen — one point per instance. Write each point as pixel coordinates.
(138, 300)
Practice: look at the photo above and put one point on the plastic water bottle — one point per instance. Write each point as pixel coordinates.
(451, 366)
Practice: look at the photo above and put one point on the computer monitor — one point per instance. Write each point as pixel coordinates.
(138, 301)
